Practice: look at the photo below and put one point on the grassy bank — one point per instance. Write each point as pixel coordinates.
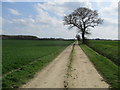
(27, 57)
(106, 68)
(107, 48)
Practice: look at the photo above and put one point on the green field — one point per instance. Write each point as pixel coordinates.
(106, 48)
(28, 56)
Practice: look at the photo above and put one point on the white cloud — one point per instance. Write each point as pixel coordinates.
(33, 27)
(111, 21)
(42, 25)
(48, 21)
(44, 17)
(112, 10)
(110, 32)
(14, 12)
(61, 8)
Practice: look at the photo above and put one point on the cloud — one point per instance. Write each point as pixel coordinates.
(62, 8)
(45, 18)
(48, 21)
(112, 9)
(110, 32)
(14, 12)
(34, 27)
(110, 22)
(42, 25)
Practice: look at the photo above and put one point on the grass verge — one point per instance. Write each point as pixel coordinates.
(21, 76)
(106, 68)
(66, 83)
(109, 46)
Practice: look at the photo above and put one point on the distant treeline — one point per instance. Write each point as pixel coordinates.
(18, 37)
(103, 39)
(28, 37)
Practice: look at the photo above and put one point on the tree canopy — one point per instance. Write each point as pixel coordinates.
(83, 18)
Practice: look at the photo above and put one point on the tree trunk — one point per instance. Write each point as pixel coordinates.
(83, 38)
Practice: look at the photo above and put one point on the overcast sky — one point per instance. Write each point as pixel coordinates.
(45, 19)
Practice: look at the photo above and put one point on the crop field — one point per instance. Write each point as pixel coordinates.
(29, 56)
(17, 53)
(106, 48)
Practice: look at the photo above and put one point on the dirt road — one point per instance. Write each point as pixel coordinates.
(52, 76)
(58, 74)
(82, 73)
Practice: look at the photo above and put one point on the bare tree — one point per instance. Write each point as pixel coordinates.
(83, 19)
